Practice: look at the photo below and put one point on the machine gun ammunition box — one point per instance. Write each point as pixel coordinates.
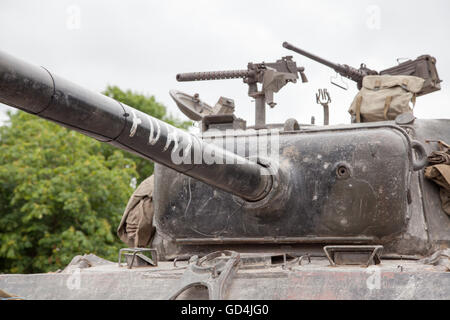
(422, 67)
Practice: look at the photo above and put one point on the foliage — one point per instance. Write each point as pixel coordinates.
(62, 193)
(59, 195)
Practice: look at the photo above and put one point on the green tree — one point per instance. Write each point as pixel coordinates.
(59, 195)
(149, 105)
(62, 193)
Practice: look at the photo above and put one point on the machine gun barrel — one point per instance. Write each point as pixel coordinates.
(213, 75)
(344, 70)
(39, 92)
(307, 54)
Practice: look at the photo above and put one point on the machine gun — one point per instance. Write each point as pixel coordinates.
(423, 67)
(272, 76)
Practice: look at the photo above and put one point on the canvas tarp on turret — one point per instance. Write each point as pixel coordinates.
(385, 97)
(136, 228)
(439, 172)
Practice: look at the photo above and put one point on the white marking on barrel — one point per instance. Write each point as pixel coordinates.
(136, 122)
(152, 140)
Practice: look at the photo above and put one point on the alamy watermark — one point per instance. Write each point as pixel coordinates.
(373, 282)
(225, 147)
(230, 146)
(73, 282)
(73, 20)
(373, 20)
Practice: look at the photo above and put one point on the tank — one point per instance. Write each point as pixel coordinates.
(271, 211)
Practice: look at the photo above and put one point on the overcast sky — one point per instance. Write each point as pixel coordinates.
(142, 45)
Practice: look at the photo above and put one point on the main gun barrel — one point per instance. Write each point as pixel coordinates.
(38, 91)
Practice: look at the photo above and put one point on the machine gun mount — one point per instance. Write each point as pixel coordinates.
(272, 76)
